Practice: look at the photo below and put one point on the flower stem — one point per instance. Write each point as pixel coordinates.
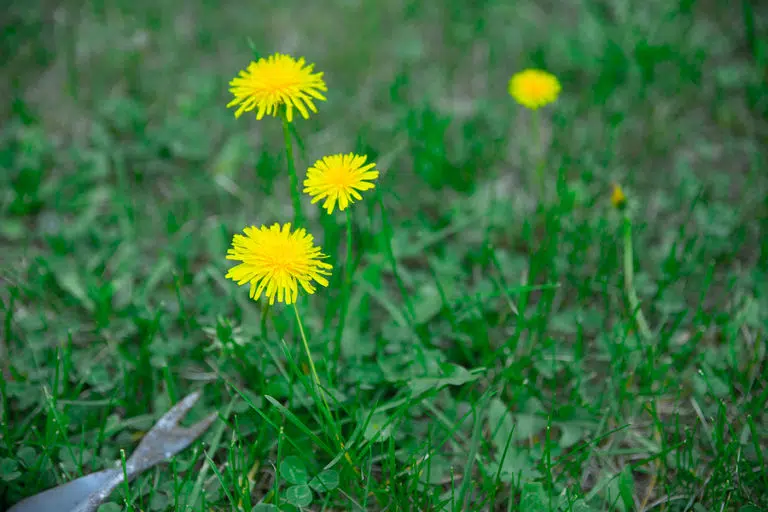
(327, 410)
(629, 278)
(295, 192)
(539, 156)
(346, 289)
(315, 378)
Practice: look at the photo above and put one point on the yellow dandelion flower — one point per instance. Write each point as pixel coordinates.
(338, 178)
(618, 199)
(275, 81)
(534, 88)
(275, 261)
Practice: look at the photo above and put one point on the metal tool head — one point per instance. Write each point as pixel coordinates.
(163, 441)
(167, 438)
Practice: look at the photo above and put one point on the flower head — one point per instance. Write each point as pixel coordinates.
(274, 260)
(338, 178)
(618, 199)
(534, 88)
(274, 81)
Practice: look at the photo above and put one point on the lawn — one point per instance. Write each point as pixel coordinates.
(499, 331)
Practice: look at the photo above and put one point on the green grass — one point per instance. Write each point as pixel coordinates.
(490, 358)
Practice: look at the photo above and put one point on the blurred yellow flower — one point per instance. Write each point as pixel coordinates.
(534, 88)
(618, 199)
(274, 81)
(275, 261)
(338, 178)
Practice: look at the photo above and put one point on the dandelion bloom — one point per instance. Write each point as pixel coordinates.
(338, 178)
(534, 88)
(274, 81)
(618, 199)
(274, 260)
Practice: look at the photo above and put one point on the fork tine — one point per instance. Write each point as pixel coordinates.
(174, 415)
(165, 443)
(166, 438)
(201, 426)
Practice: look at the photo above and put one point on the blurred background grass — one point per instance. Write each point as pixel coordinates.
(124, 177)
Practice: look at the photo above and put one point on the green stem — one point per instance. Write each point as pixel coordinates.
(629, 280)
(539, 152)
(264, 316)
(127, 503)
(346, 290)
(326, 411)
(295, 192)
(315, 378)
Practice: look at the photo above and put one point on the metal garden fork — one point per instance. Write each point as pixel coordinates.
(162, 442)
